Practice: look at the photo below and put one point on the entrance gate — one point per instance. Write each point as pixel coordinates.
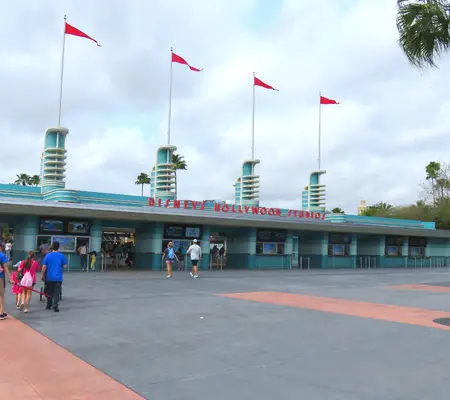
(218, 253)
(116, 245)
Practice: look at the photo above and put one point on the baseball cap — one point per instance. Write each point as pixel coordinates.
(195, 240)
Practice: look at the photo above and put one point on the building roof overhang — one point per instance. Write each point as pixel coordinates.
(12, 206)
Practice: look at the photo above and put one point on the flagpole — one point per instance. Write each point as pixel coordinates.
(320, 125)
(253, 119)
(170, 96)
(62, 72)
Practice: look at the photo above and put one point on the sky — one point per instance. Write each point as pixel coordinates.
(392, 120)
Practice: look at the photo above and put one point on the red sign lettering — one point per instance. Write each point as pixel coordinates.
(227, 208)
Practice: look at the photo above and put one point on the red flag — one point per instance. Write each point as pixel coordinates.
(176, 58)
(71, 30)
(259, 82)
(324, 100)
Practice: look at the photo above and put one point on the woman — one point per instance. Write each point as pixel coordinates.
(29, 265)
(170, 256)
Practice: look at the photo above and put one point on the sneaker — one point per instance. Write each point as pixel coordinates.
(195, 276)
(17, 307)
(3, 316)
(48, 307)
(169, 276)
(192, 274)
(55, 309)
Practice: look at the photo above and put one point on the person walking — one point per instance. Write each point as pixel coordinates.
(44, 248)
(8, 248)
(170, 257)
(4, 271)
(195, 251)
(52, 274)
(28, 266)
(83, 252)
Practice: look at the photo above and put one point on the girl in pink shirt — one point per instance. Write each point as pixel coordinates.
(16, 289)
(29, 265)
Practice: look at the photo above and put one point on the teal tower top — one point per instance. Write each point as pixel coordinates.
(53, 159)
(246, 188)
(313, 197)
(163, 180)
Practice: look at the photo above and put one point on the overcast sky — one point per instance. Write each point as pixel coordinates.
(392, 121)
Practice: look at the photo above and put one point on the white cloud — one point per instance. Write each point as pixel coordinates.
(392, 121)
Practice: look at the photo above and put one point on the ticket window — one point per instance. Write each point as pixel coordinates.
(394, 246)
(417, 247)
(339, 245)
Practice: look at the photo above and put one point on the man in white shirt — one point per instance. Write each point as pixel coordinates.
(8, 248)
(83, 251)
(195, 252)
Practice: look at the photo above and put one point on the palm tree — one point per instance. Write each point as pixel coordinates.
(337, 210)
(23, 179)
(432, 170)
(179, 163)
(35, 180)
(142, 179)
(423, 27)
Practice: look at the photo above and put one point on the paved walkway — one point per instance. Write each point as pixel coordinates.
(318, 335)
(33, 367)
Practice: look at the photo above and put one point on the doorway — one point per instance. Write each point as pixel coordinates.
(218, 252)
(117, 246)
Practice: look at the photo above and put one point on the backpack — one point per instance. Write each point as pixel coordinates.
(170, 253)
(27, 280)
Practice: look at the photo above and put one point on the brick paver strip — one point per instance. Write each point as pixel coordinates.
(33, 367)
(382, 312)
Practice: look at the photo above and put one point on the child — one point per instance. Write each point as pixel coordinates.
(93, 260)
(28, 268)
(17, 290)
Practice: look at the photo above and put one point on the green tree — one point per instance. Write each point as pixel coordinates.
(432, 170)
(379, 209)
(423, 27)
(337, 210)
(437, 210)
(35, 180)
(179, 164)
(142, 179)
(23, 180)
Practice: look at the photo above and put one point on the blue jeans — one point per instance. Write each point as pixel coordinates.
(83, 261)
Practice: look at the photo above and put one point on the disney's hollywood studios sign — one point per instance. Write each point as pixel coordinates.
(235, 209)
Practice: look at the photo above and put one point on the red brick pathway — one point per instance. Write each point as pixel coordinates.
(382, 312)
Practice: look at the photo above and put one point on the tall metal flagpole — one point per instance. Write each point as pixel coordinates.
(320, 123)
(170, 97)
(253, 120)
(62, 72)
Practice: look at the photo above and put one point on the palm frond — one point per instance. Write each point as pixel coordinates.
(423, 28)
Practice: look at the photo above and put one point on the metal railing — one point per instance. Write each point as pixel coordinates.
(100, 256)
(428, 262)
(368, 262)
(217, 261)
(304, 260)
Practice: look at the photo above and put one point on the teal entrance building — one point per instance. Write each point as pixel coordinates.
(248, 234)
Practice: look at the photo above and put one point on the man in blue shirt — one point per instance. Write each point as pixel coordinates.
(3, 270)
(52, 273)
